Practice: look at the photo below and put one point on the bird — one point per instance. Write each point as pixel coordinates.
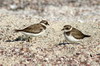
(35, 29)
(72, 34)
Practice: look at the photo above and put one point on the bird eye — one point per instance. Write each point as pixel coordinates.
(67, 28)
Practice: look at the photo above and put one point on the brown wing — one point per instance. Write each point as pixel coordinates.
(36, 28)
(77, 34)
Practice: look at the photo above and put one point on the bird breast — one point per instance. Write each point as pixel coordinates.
(34, 35)
(71, 38)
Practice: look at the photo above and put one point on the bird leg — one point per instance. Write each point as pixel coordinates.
(29, 39)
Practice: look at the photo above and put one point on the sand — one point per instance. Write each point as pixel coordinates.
(44, 50)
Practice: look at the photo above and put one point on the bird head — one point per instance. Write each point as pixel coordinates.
(44, 22)
(67, 28)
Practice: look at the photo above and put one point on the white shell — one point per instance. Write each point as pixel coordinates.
(13, 6)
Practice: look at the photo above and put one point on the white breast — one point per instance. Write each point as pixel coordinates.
(71, 38)
(34, 35)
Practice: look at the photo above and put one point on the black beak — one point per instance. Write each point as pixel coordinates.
(62, 29)
(47, 24)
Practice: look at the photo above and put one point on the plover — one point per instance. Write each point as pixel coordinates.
(72, 34)
(35, 29)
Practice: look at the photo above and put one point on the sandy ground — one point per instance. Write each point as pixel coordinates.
(45, 51)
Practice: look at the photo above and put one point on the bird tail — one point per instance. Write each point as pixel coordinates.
(87, 35)
(16, 30)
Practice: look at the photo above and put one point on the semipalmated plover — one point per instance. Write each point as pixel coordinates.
(35, 29)
(72, 34)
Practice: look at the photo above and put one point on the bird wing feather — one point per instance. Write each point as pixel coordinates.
(36, 28)
(77, 34)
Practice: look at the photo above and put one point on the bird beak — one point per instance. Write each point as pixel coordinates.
(47, 24)
(62, 29)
